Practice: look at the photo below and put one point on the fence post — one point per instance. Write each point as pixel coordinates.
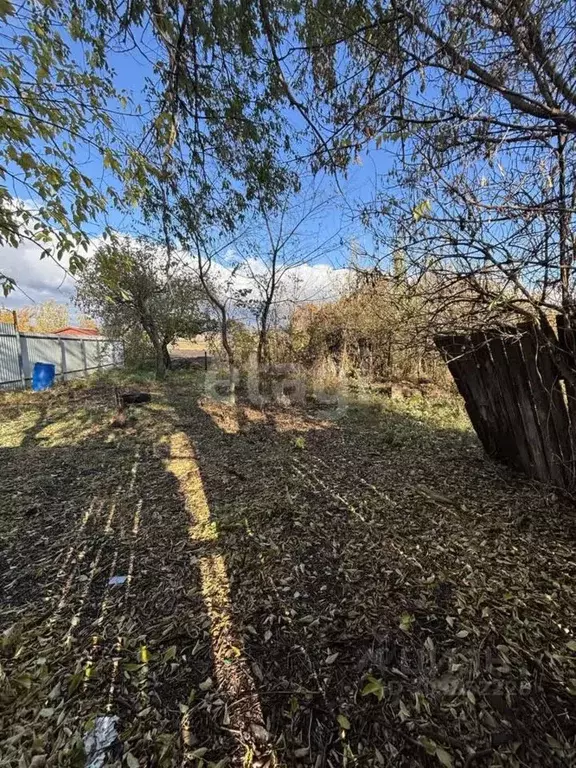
(19, 348)
(63, 358)
(20, 361)
(24, 357)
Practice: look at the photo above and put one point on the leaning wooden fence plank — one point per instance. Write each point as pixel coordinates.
(567, 338)
(457, 352)
(512, 388)
(545, 384)
(486, 384)
(515, 445)
(544, 465)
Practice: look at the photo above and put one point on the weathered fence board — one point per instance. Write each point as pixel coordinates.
(514, 395)
(567, 338)
(546, 389)
(516, 427)
(10, 356)
(454, 349)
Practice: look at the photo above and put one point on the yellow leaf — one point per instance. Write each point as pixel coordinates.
(144, 655)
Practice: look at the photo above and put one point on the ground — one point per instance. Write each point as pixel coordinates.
(319, 587)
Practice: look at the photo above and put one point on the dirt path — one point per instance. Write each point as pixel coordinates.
(298, 592)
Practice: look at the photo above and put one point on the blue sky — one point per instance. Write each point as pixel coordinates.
(41, 279)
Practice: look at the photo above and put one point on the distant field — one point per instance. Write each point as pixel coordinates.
(189, 347)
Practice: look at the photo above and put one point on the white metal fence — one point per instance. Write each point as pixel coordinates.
(73, 356)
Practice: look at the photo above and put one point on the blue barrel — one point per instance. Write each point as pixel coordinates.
(43, 376)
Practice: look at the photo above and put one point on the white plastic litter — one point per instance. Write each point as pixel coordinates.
(98, 741)
(117, 580)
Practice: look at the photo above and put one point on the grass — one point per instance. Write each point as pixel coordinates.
(368, 590)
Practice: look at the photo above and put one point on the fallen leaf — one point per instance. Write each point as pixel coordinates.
(343, 722)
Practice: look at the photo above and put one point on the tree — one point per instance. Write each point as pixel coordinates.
(477, 101)
(23, 317)
(85, 321)
(46, 317)
(131, 284)
(57, 108)
(49, 316)
(218, 289)
(292, 234)
(207, 147)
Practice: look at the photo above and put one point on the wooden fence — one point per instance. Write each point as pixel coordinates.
(518, 403)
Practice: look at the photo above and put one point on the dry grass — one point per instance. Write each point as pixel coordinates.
(366, 591)
(182, 347)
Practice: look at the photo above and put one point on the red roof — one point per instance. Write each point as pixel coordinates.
(72, 330)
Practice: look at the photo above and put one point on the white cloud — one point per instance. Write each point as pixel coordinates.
(36, 279)
(317, 283)
(304, 283)
(42, 279)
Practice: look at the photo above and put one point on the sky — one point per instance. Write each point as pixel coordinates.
(41, 279)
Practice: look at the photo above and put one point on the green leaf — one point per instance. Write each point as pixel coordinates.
(571, 645)
(132, 667)
(132, 760)
(26, 161)
(444, 757)
(343, 722)
(406, 622)
(374, 686)
(170, 653)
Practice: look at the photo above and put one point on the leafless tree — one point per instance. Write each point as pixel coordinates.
(282, 240)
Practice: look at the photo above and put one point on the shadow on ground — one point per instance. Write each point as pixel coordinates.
(300, 591)
(400, 598)
(81, 503)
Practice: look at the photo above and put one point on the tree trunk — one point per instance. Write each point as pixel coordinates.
(160, 361)
(564, 233)
(262, 356)
(167, 358)
(229, 353)
(150, 328)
